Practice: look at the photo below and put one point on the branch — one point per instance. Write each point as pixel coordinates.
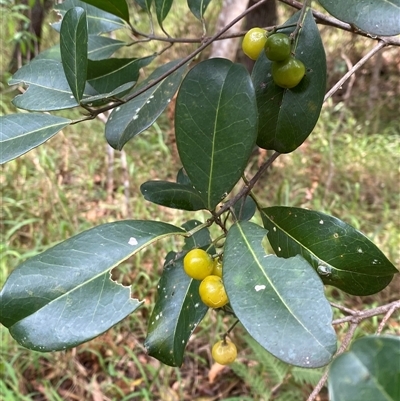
(355, 318)
(332, 21)
(355, 67)
(206, 43)
(358, 316)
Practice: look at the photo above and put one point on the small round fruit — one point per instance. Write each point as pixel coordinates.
(277, 47)
(217, 269)
(288, 74)
(254, 42)
(212, 292)
(198, 264)
(224, 352)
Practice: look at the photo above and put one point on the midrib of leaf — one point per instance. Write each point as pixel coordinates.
(212, 150)
(274, 288)
(32, 132)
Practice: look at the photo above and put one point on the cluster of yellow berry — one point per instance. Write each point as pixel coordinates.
(287, 71)
(200, 265)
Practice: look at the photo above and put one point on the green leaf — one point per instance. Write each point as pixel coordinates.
(245, 208)
(65, 296)
(280, 302)
(20, 133)
(182, 178)
(172, 194)
(369, 371)
(98, 21)
(162, 9)
(200, 239)
(107, 75)
(378, 17)
(288, 116)
(216, 126)
(73, 49)
(343, 257)
(46, 92)
(176, 314)
(133, 117)
(101, 47)
(117, 93)
(115, 7)
(198, 7)
(144, 4)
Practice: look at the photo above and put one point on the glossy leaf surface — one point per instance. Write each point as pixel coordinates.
(73, 49)
(177, 312)
(106, 75)
(280, 302)
(20, 133)
(216, 126)
(56, 300)
(288, 116)
(46, 92)
(198, 7)
(98, 20)
(172, 194)
(368, 371)
(343, 257)
(133, 117)
(115, 7)
(245, 208)
(378, 17)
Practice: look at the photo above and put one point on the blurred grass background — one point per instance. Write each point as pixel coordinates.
(349, 167)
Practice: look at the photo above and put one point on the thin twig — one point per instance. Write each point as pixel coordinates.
(248, 187)
(332, 21)
(386, 318)
(181, 63)
(356, 66)
(359, 316)
(343, 346)
(343, 308)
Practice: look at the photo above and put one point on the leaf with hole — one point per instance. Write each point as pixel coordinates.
(20, 133)
(343, 257)
(73, 49)
(280, 302)
(98, 20)
(288, 116)
(369, 370)
(46, 92)
(65, 295)
(216, 126)
(176, 314)
(378, 17)
(136, 115)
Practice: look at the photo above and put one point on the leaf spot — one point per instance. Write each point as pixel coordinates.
(336, 235)
(259, 287)
(274, 229)
(279, 248)
(148, 102)
(324, 270)
(359, 250)
(118, 108)
(132, 241)
(135, 117)
(321, 222)
(71, 97)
